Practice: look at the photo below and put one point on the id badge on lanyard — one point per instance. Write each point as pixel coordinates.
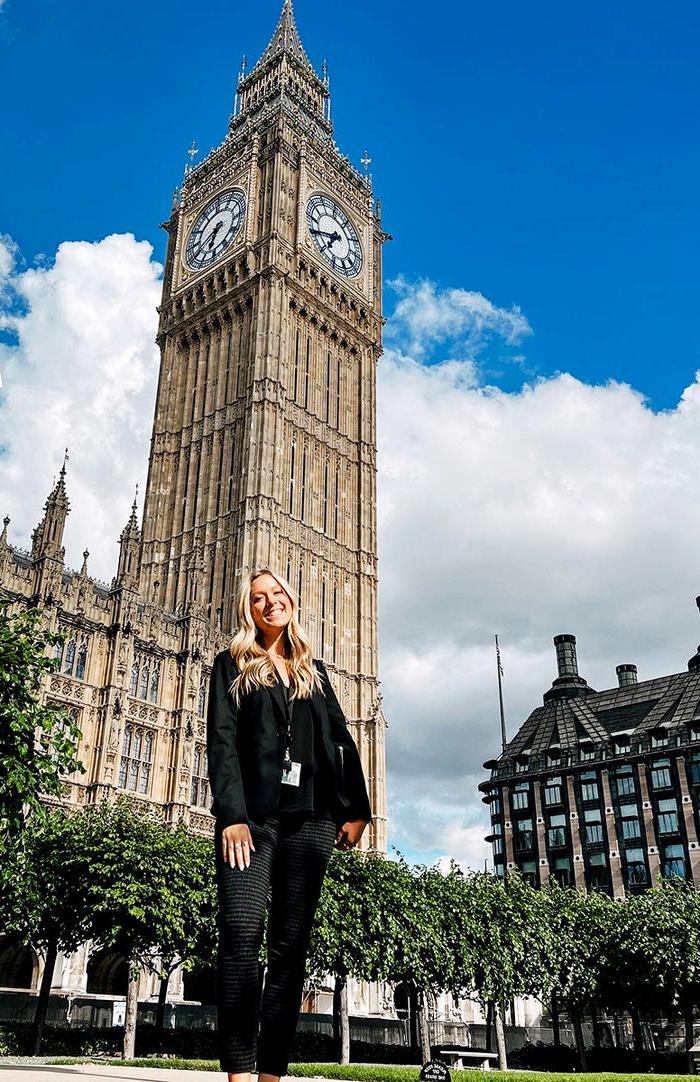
(291, 773)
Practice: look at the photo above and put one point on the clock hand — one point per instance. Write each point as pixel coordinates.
(323, 233)
(334, 237)
(217, 227)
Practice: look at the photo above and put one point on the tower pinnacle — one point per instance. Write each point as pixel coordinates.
(284, 75)
(286, 39)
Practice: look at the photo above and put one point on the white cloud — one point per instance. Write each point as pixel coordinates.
(7, 250)
(560, 508)
(80, 371)
(426, 316)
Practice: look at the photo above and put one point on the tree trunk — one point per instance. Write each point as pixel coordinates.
(341, 1019)
(162, 1000)
(637, 1034)
(596, 1027)
(688, 1020)
(423, 1026)
(489, 1026)
(132, 994)
(500, 1037)
(42, 1002)
(578, 1036)
(414, 1016)
(556, 1028)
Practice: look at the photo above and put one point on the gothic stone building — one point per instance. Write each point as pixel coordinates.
(263, 453)
(602, 789)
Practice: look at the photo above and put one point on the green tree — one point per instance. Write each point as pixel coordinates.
(37, 741)
(582, 928)
(140, 891)
(192, 940)
(434, 948)
(43, 899)
(654, 962)
(365, 927)
(509, 938)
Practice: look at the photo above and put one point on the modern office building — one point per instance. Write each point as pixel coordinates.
(601, 789)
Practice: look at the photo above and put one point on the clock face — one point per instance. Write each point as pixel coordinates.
(215, 230)
(334, 235)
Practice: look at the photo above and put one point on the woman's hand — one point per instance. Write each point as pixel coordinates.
(237, 845)
(350, 833)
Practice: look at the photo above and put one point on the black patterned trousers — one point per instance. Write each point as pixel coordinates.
(288, 865)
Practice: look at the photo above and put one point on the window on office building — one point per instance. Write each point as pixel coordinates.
(635, 868)
(593, 826)
(553, 792)
(556, 832)
(597, 870)
(560, 869)
(629, 819)
(624, 781)
(522, 764)
(668, 816)
(520, 798)
(528, 871)
(673, 865)
(586, 752)
(589, 786)
(659, 738)
(694, 769)
(621, 745)
(661, 774)
(523, 835)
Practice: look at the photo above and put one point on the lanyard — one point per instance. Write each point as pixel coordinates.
(287, 763)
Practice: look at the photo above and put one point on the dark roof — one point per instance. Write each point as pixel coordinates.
(668, 702)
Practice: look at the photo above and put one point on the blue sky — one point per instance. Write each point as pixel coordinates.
(545, 154)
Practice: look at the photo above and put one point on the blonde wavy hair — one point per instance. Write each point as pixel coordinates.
(255, 669)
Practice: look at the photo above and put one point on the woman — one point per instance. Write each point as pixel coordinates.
(287, 784)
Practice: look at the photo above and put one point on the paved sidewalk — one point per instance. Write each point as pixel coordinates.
(32, 1070)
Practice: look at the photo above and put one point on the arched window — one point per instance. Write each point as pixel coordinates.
(202, 699)
(82, 661)
(199, 795)
(134, 680)
(155, 681)
(136, 759)
(69, 657)
(143, 685)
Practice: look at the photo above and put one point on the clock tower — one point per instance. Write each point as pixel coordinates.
(263, 450)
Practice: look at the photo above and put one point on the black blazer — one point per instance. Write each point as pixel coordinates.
(245, 749)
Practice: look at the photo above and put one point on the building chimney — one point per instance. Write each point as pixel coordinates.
(626, 675)
(566, 655)
(694, 663)
(568, 684)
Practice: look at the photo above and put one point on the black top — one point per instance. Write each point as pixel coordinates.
(310, 796)
(245, 745)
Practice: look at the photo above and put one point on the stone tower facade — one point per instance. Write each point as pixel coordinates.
(264, 437)
(263, 452)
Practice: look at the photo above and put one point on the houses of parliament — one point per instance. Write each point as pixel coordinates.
(263, 453)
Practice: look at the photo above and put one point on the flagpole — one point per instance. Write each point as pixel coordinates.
(500, 695)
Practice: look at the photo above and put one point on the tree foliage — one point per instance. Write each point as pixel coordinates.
(37, 740)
